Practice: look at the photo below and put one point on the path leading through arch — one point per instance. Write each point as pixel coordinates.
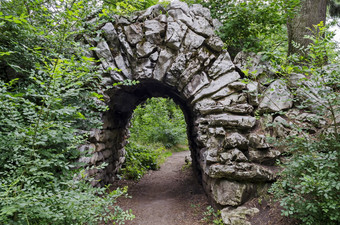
(170, 195)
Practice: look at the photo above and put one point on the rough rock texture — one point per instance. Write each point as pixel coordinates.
(231, 193)
(237, 216)
(175, 53)
(276, 98)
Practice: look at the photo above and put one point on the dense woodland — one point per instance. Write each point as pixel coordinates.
(49, 103)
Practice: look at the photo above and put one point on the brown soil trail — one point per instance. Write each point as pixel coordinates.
(168, 196)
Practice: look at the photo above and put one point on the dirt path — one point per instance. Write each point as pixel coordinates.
(169, 196)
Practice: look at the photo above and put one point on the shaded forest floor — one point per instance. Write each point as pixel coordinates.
(168, 196)
(172, 196)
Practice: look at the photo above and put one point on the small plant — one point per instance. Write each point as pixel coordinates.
(212, 216)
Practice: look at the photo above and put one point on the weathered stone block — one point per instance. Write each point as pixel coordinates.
(263, 156)
(222, 65)
(145, 48)
(123, 65)
(217, 84)
(231, 193)
(174, 34)
(193, 40)
(258, 141)
(232, 155)
(239, 109)
(253, 92)
(134, 33)
(163, 64)
(277, 97)
(154, 30)
(235, 140)
(233, 121)
(233, 99)
(242, 171)
(198, 82)
(238, 216)
(215, 43)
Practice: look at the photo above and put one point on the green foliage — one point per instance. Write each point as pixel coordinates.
(251, 25)
(158, 120)
(141, 158)
(129, 6)
(309, 186)
(212, 216)
(157, 123)
(48, 103)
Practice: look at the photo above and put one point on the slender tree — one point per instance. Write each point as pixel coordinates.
(310, 12)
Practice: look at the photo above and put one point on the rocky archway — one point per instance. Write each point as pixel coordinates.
(175, 53)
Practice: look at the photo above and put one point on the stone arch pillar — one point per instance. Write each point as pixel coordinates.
(175, 53)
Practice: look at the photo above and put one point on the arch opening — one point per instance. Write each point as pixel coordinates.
(157, 131)
(124, 100)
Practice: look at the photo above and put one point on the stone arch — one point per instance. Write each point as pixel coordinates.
(120, 113)
(174, 52)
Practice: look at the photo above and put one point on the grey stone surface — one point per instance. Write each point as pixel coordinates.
(193, 40)
(202, 26)
(242, 171)
(110, 34)
(227, 120)
(154, 29)
(145, 49)
(253, 93)
(163, 64)
(134, 33)
(123, 66)
(232, 155)
(104, 54)
(263, 156)
(198, 81)
(277, 97)
(231, 193)
(174, 34)
(235, 140)
(238, 216)
(221, 66)
(217, 84)
(258, 141)
(215, 43)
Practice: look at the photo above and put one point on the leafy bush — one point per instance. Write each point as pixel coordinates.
(309, 186)
(38, 127)
(141, 158)
(158, 120)
(48, 103)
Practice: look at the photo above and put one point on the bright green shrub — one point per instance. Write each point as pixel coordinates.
(47, 108)
(158, 120)
(309, 186)
(140, 159)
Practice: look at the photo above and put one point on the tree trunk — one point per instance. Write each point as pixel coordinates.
(311, 12)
